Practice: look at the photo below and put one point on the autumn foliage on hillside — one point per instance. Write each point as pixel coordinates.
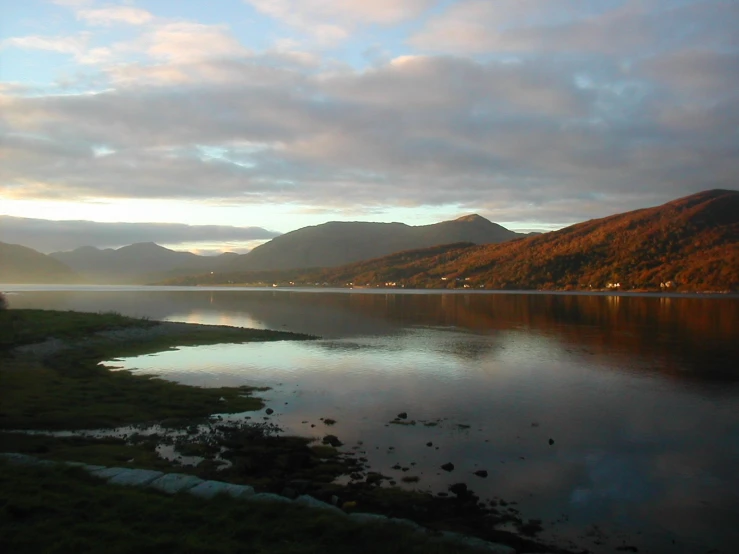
(688, 244)
(692, 242)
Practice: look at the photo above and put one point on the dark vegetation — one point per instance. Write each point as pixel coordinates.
(66, 510)
(69, 389)
(688, 244)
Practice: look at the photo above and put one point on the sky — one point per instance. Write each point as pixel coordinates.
(258, 117)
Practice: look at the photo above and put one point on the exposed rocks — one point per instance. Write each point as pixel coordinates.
(332, 440)
(367, 518)
(402, 415)
(172, 483)
(135, 477)
(481, 473)
(448, 467)
(269, 497)
(480, 544)
(531, 527)
(459, 489)
(374, 478)
(209, 489)
(310, 502)
(175, 482)
(108, 472)
(408, 523)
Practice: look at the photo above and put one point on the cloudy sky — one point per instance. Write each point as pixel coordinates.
(276, 114)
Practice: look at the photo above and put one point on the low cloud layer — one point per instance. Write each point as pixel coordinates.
(51, 236)
(554, 114)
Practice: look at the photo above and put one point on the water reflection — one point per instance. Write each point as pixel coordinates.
(685, 337)
(640, 395)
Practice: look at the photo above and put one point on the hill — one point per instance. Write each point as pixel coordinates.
(137, 263)
(337, 243)
(19, 264)
(692, 242)
(688, 244)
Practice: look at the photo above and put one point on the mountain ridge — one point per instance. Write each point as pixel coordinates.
(136, 263)
(335, 243)
(20, 264)
(691, 243)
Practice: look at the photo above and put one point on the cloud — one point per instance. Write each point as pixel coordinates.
(72, 3)
(49, 236)
(184, 41)
(384, 12)
(159, 40)
(419, 130)
(62, 44)
(331, 21)
(115, 14)
(564, 113)
(608, 27)
(695, 71)
(169, 43)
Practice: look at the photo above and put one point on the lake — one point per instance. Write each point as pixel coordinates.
(614, 419)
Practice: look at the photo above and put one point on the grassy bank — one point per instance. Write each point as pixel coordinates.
(51, 377)
(66, 510)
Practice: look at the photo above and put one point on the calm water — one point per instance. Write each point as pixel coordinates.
(639, 394)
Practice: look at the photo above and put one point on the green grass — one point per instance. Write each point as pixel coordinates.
(36, 396)
(71, 390)
(19, 327)
(104, 451)
(61, 510)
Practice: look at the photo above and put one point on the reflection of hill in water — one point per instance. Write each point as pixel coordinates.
(686, 337)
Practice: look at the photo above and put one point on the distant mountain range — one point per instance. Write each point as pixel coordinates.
(19, 264)
(337, 243)
(688, 244)
(327, 245)
(137, 263)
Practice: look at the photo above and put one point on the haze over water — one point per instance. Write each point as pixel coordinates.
(640, 395)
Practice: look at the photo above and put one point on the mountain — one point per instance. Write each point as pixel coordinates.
(337, 243)
(691, 243)
(137, 263)
(19, 264)
(688, 244)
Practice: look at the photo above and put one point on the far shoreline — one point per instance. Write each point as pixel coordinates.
(50, 287)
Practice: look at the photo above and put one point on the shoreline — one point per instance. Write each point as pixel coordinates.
(258, 455)
(11, 289)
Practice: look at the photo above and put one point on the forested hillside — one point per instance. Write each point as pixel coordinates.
(688, 244)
